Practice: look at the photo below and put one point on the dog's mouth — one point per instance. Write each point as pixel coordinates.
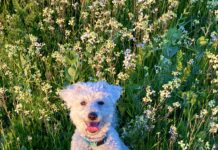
(92, 127)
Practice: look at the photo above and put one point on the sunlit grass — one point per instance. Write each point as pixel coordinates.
(163, 53)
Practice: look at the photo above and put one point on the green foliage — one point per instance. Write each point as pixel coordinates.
(163, 53)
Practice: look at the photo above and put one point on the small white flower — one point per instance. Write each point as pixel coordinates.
(191, 61)
(176, 105)
(213, 128)
(183, 145)
(29, 138)
(211, 103)
(203, 113)
(215, 111)
(170, 109)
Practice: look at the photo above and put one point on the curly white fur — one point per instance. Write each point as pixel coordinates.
(99, 97)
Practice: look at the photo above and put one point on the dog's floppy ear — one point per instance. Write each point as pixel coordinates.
(66, 95)
(115, 92)
(70, 93)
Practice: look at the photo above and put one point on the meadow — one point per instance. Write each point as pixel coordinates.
(163, 53)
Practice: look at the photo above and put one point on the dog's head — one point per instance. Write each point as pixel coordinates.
(92, 105)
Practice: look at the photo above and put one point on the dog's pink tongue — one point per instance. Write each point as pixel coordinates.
(93, 127)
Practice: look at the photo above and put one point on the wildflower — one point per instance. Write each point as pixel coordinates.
(18, 108)
(77, 46)
(213, 36)
(114, 24)
(26, 112)
(196, 22)
(67, 33)
(46, 87)
(51, 28)
(71, 21)
(202, 41)
(18, 139)
(173, 4)
(3, 66)
(165, 94)
(213, 127)
(147, 100)
(170, 109)
(207, 145)
(200, 140)
(169, 15)
(29, 138)
(182, 28)
(17, 89)
(123, 76)
(183, 145)
(168, 88)
(216, 13)
(150, 113)
(58, 57)
(60, 22)
(176, 104)
(131, 15)
(191, 61)
(215, 111)
(84, 15)
(75, 5)
(57, 92)
(211, 103)
(90, 37)
(118, 2)
(140, 45)
(196, 116)
(214, 147)
(149, 93)
(64, 1)
(157, 68)
(47, 14)
(203, 113)
(32, 38)
(2, 91)
(173, 132)
(175, 73)
(129, 61)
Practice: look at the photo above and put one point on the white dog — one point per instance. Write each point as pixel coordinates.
(92, 109)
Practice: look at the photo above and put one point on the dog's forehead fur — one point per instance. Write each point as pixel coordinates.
(91, 91)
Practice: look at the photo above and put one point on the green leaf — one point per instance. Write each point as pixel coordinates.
(170, 46)
(170, 51)
(72, 72)
(23, 148)
(202, 135)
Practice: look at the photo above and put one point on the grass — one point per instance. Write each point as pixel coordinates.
(163, 53)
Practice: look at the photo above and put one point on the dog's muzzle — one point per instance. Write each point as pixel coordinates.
(92, 116)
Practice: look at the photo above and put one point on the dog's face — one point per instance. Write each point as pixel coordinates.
(92, 106)
(92, 115)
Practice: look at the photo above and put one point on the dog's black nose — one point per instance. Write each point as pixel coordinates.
(92, 116)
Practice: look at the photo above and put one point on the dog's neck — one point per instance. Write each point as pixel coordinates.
(94, 142)
(95, 138)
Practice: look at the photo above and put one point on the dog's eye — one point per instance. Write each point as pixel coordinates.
(100, 103)
(83, 103)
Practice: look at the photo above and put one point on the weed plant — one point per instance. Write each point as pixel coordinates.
(163, 53)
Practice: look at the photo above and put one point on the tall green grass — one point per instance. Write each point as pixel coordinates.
(163, 53)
